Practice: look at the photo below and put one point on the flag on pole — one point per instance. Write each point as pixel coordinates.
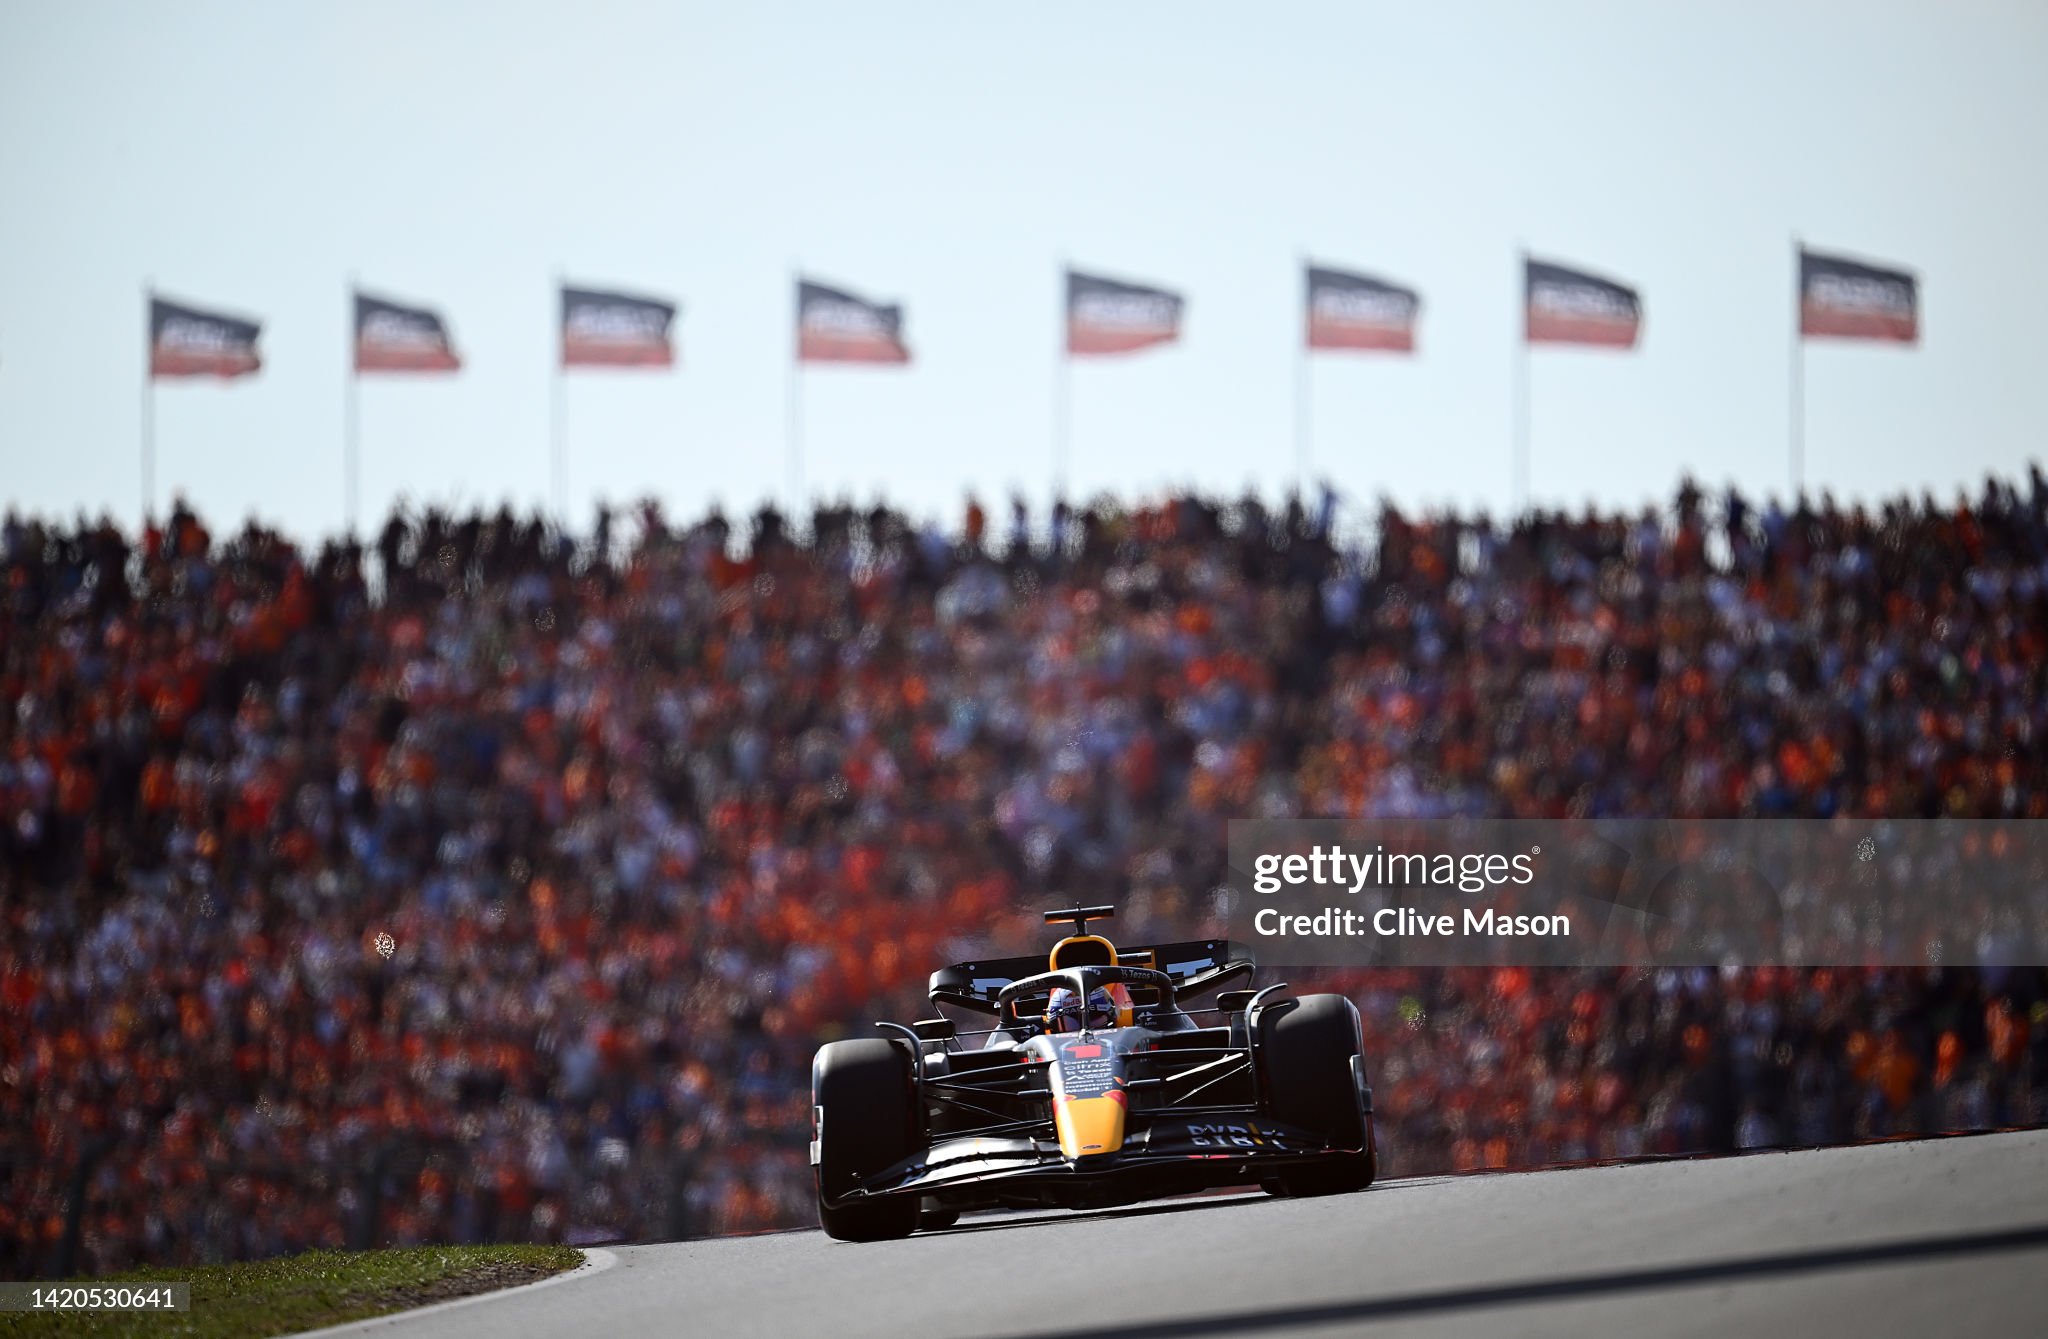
(392, 337)
(189, 342)
(1111, 316)
(1568, 306)
(1357, 311)
(1851, 299)
(834, 326)
(601, 329)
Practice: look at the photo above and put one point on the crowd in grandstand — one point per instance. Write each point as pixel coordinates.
(648, 817)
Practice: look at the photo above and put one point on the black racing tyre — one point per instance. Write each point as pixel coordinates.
(1306, 1055)
(862, 1103)
(936, 1216)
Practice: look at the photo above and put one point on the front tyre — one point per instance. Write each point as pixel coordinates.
(861, 1101)
(1313, 1060)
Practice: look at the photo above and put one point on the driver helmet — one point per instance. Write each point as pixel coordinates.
(1107, 1007)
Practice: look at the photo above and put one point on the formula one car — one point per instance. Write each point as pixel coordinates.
(1095, 1085)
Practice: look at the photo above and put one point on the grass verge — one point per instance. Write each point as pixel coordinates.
(304, 1292)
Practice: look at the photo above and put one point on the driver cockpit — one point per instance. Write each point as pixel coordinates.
(1107, 1006)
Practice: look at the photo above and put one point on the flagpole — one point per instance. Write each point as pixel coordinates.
(1062, 392)
(558, 421)
(1798, 405)
(148, 401)
(351, 421)
(795, 430)
(1304, 389)
(1519, 487)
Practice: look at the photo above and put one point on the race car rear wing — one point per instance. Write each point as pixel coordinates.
(1196, 966)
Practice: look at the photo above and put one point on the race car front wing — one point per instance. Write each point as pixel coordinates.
(1219, 1149)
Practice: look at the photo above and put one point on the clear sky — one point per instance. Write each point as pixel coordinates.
(947, 156)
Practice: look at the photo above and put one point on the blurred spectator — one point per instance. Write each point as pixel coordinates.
(648, 820)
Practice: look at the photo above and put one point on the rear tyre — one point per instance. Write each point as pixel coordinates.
(1307, 1054)
(862, 1102)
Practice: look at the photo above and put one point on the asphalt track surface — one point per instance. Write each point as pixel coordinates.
(1945, 1236)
